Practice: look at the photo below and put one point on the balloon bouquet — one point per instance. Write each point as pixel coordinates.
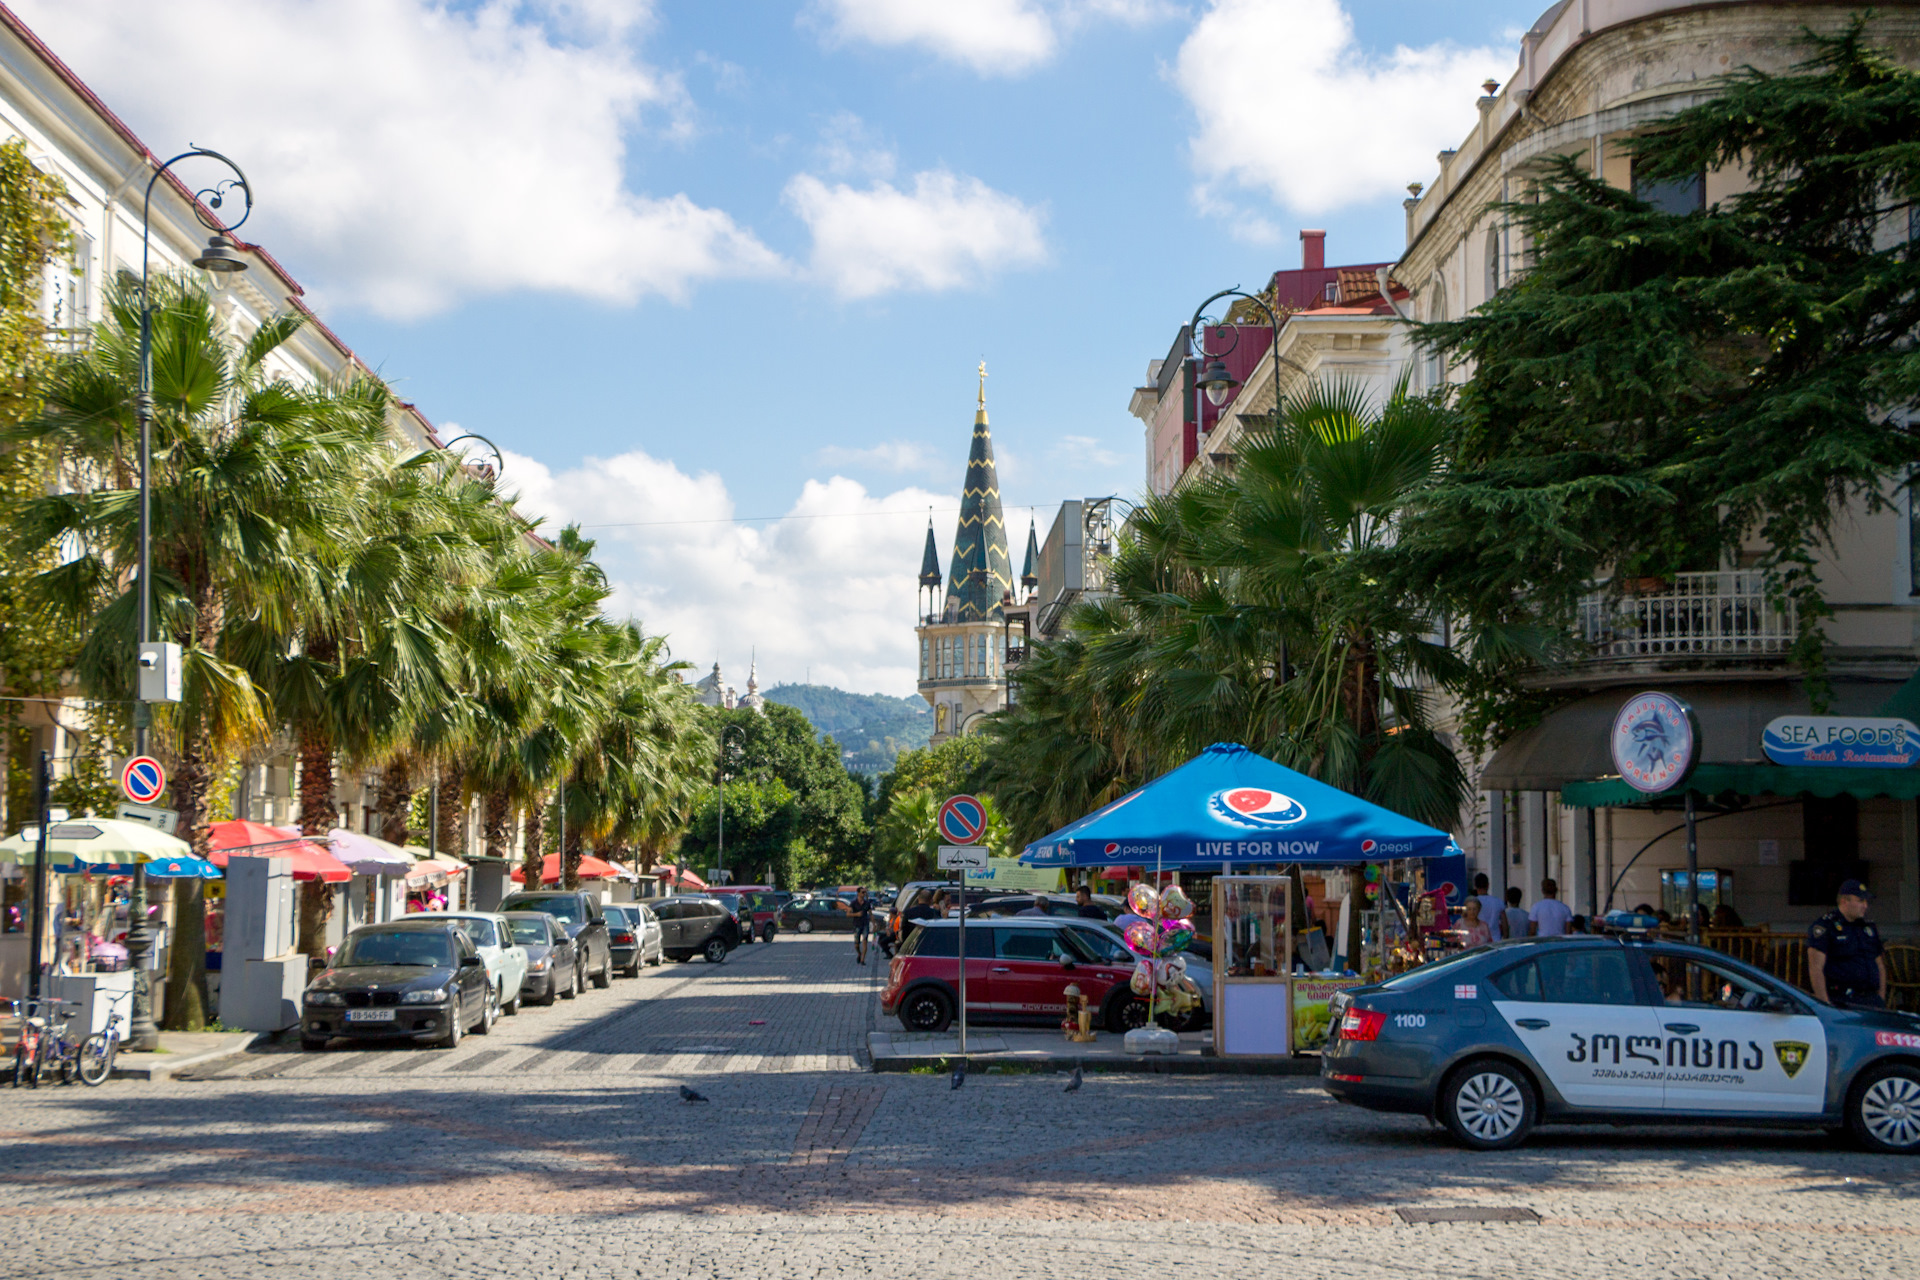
(1157, 931)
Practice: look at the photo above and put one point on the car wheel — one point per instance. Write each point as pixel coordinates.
(572, 988)
(489, 1012)
(928, 1009)
(1126, 1012)
(767, 933)
(632, 970)
(604, 979)
(1883, 1110)
(659, 958)
(456, 1024)
(805, 925)
(716, 950)
(1488, 1105)
(512, 1007)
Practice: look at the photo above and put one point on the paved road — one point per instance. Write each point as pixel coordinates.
(587, 1163)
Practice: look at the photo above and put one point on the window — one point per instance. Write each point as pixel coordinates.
(923, 659)
(1575, 975)
(944, 943)
(1688, 195)
(1493, 261)
(1700, 984)
(1033, 944)
(481, 931)
(1104, 946)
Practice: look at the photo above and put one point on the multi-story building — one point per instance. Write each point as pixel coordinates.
(1334, 324)
(1591, 73)
(963, 636)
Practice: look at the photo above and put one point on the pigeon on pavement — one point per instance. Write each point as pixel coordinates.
(688, 1095)
(959, 1075)
(1073, 1082)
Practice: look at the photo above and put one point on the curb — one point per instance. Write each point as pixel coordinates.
(128, 1066)
(1147, 1064)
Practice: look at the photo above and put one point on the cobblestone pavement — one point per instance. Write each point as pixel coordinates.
(589, 1164)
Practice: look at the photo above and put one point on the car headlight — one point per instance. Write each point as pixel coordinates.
(538, 966)
(433, 996)
(325, 997)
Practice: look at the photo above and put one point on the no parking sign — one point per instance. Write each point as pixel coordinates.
(963, 820)
(143, 779)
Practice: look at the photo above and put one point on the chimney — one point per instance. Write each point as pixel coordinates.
(1313, 250)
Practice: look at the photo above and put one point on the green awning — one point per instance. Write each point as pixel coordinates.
(1752, 780)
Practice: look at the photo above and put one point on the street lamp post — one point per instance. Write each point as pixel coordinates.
(221, 257)
(720, 854)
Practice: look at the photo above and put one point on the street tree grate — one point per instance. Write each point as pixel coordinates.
(1467, 1213)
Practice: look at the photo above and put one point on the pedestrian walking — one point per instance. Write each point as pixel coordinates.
(861, 909)
(1489, 906)
(1846, 961)
(1515, 921)
(1550, 916)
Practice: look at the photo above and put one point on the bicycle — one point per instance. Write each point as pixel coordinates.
(97, 1051)
(39, 1036)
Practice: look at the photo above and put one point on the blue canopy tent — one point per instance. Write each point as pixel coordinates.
(1232, 806)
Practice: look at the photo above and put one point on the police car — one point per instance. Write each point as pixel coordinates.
(1583, 1029)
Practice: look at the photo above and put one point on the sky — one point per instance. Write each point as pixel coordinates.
(715, 275)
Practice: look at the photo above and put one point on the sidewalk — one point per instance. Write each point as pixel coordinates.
(1049, 1050)
(178, 1050)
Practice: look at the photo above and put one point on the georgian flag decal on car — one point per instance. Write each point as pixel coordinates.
(1256, 808)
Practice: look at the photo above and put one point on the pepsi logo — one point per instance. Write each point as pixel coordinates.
(1256, 808)
(1112, 847)
(1366, 846)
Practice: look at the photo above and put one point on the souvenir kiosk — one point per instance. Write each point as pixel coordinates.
(1242, 819)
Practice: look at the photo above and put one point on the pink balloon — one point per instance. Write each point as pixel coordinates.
(1144, 901)
(1142, 939)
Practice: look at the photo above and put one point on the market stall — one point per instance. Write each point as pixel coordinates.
(1253, 828)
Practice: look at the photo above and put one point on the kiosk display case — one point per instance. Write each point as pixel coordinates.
(1252, 965)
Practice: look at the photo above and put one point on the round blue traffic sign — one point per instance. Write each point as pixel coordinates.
(963, 820)
(143, 779)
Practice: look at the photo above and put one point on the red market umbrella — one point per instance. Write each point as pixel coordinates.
(683, 880)
(243, 839)
(1121, 873)
(591, 868)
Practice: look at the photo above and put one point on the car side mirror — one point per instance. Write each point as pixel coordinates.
(1066, 962)
(467, 962)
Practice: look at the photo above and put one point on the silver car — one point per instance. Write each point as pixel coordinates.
(506, 960)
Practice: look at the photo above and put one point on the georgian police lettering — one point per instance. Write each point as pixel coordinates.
(1697, 1053)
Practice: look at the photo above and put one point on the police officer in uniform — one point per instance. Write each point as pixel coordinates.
(1845, 959)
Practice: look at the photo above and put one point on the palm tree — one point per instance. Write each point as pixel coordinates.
(249, 477)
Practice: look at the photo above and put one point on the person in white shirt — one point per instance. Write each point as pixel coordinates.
(1550, 916)
(1489, 906)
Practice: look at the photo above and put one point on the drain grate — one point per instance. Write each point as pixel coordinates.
(1467, 1213)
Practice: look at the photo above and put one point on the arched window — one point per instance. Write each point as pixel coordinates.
(1493, 261)
(924, 647)
(1434, 366)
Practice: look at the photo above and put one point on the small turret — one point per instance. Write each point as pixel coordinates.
(1030, 575)
(930, 560)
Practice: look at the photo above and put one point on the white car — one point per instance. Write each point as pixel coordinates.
(506, 960)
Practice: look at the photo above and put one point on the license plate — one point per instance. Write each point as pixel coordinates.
(369, 1015)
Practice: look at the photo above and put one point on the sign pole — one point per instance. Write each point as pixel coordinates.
(1693, 876)
(143, 781)
(42, 799)
(963, 963)
(963, 820)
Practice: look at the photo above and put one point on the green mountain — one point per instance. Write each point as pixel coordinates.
(871, 728)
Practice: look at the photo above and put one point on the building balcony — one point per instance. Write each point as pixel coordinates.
(1711, 623)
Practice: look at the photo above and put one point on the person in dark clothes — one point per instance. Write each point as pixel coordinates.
(1846, 961)
(1084, 905)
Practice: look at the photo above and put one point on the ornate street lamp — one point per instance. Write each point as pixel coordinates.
(221, 257)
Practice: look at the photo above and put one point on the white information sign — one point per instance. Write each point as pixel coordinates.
(962, 857)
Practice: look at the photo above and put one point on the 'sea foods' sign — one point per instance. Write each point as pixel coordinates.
(1842, 742)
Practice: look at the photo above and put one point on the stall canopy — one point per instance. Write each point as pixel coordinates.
(591, 868)
(240, 838)
(366, 855)
(95, 840)
(1231, 805)
(1751, 780)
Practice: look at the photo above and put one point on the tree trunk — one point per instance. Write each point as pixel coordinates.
(187, 949)
(396, 797)
(499, 820)
(318, 816)
(570, 859)
(452, 835)
(536, 831)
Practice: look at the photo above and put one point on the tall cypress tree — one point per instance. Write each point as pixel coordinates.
(1657, 389)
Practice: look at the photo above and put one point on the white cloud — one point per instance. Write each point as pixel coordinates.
(1084, 451)
(407, 154)
(947, 232)
(992, 37)
(832, 591)
(1289, 105)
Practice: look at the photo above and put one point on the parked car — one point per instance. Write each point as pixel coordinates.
(817, 914)
(506, 959)
(1060, 904)
(584, 921)
(1602, 1030)
(404, 980)
(763, 903)
(696, 925)
(737, 907)
(1017, 971)
(887, 921)
(552, 967)
(1106, 941)
(635, 935)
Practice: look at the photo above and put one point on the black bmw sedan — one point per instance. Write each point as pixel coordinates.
(407, 980)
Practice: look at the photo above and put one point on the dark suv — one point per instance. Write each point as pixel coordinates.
(580, 915)
(696, 926)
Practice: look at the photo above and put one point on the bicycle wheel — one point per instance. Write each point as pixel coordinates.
(96, 1058)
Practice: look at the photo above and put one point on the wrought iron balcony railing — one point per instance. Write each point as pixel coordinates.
(1724, 614)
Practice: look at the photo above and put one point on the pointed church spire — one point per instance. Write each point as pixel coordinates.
(980, 572)
(930, 560)
(1030, 574)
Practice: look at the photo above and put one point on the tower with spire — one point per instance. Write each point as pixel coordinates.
(963, 636)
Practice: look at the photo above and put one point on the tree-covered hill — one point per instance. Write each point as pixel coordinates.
(871, 728)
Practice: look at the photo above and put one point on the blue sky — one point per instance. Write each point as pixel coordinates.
(692, 263)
